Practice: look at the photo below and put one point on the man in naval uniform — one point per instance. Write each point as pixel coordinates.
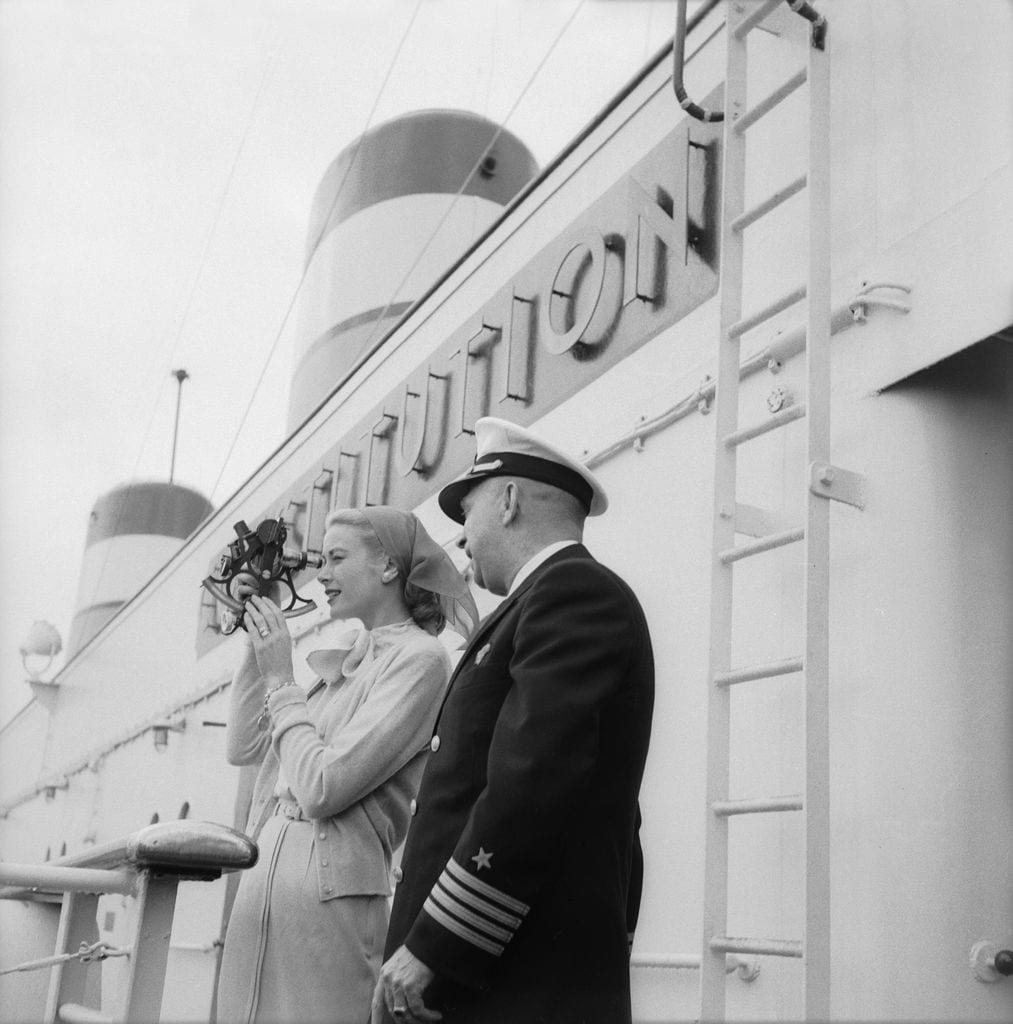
(520, 882)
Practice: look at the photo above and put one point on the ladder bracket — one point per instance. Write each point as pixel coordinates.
(747, 970)
(829, 481)
(754, 522)
(705, 395)
(990, 963)
(866, 298)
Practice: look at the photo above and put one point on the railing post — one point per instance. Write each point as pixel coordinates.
(149, 953)
(147, 866)
(69, 982)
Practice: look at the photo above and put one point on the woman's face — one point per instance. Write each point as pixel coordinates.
(352, 574)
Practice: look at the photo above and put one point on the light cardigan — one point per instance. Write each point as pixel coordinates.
(352, 750)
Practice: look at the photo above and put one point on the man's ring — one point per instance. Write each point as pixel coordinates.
(399, 1011)
(264, 632)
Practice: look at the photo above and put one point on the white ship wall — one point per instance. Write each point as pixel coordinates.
(920, 602)
(22, 754)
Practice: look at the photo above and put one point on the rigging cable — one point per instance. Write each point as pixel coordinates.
(316, 244)
(201, 263)
(371, 346)
(705, 8)
(490, 75)
(146, 590)
(295, 295)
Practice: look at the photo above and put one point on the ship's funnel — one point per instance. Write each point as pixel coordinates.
(371, 247)
(132, 532)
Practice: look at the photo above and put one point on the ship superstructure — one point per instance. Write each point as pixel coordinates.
(782, 340)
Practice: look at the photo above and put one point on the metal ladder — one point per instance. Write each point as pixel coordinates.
(825, 482)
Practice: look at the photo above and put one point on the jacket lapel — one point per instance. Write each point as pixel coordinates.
(486, 626)
(488, 623)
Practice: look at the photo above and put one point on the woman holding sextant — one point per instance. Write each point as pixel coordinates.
(340, 763)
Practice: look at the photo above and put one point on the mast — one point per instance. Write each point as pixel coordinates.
(180, 375)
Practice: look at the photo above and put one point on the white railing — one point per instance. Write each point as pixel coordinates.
(61, 903)
(747, 970)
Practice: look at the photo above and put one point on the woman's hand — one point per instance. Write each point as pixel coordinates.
(271, 640)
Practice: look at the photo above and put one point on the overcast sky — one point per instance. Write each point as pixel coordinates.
(157, 163)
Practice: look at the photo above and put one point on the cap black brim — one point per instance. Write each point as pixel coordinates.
(452, 495)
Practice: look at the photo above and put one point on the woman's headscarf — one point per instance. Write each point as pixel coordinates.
(423, 563)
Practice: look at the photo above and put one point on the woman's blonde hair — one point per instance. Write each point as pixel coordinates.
(423, 605)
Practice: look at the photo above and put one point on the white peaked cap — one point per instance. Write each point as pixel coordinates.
(506, 449)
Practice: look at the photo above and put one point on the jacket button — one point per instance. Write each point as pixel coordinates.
(323, 835)
(328, 889)
(413, 807)
(398, 874)
(323, 863)
(434, 744)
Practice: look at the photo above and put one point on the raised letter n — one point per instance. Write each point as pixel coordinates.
(640, 272)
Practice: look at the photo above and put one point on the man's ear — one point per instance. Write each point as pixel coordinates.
(511, 503)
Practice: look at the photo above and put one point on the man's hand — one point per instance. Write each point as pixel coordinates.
(398, 995)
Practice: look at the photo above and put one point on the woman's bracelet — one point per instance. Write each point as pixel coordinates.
(264, 721)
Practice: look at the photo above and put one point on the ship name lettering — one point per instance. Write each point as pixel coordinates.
(377, 466)
(620, 273)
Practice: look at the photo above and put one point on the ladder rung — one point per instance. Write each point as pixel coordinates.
(726, 808)
(772, 309)
(770, 203)
(766, 105)
(779, 419)
(746, 675)
(757, 947)
(752, 20)
(775, 540)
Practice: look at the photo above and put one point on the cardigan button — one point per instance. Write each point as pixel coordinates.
(398, 874)
(434, 744)
(413, 807)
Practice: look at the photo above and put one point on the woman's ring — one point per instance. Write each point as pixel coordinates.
(399, 1011)
(264, 632)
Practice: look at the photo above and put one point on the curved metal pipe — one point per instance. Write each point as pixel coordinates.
(678, 60)
(807, 11)
(800, 7)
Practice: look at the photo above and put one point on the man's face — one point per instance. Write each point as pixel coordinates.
(484, 534)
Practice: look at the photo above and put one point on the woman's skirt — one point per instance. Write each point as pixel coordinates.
(290, 957)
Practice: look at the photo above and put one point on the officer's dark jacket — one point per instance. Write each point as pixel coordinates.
(522, 871)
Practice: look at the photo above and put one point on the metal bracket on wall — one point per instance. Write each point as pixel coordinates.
(46, 693)
(990, 963)
(839, 484)
(866, 299)
(755, 522)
